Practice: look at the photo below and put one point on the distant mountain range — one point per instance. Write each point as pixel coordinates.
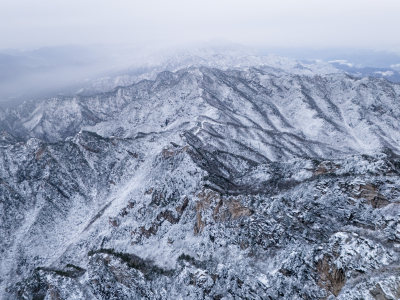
(70, 70)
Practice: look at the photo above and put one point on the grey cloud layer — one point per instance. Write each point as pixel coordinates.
(327, 23)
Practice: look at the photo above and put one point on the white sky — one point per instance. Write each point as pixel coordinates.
(282, 23)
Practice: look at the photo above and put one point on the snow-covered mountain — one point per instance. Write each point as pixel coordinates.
(269, 179)
(148, 66)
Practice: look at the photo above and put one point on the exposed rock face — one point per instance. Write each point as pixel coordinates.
(331, 278)
(205, 184)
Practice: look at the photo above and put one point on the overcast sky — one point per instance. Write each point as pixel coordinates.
(370, 24)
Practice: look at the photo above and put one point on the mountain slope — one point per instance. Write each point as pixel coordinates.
(205, 183)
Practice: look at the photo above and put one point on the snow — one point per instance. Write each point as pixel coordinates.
(118, 164)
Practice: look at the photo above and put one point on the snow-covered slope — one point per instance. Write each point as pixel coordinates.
(253, 182)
